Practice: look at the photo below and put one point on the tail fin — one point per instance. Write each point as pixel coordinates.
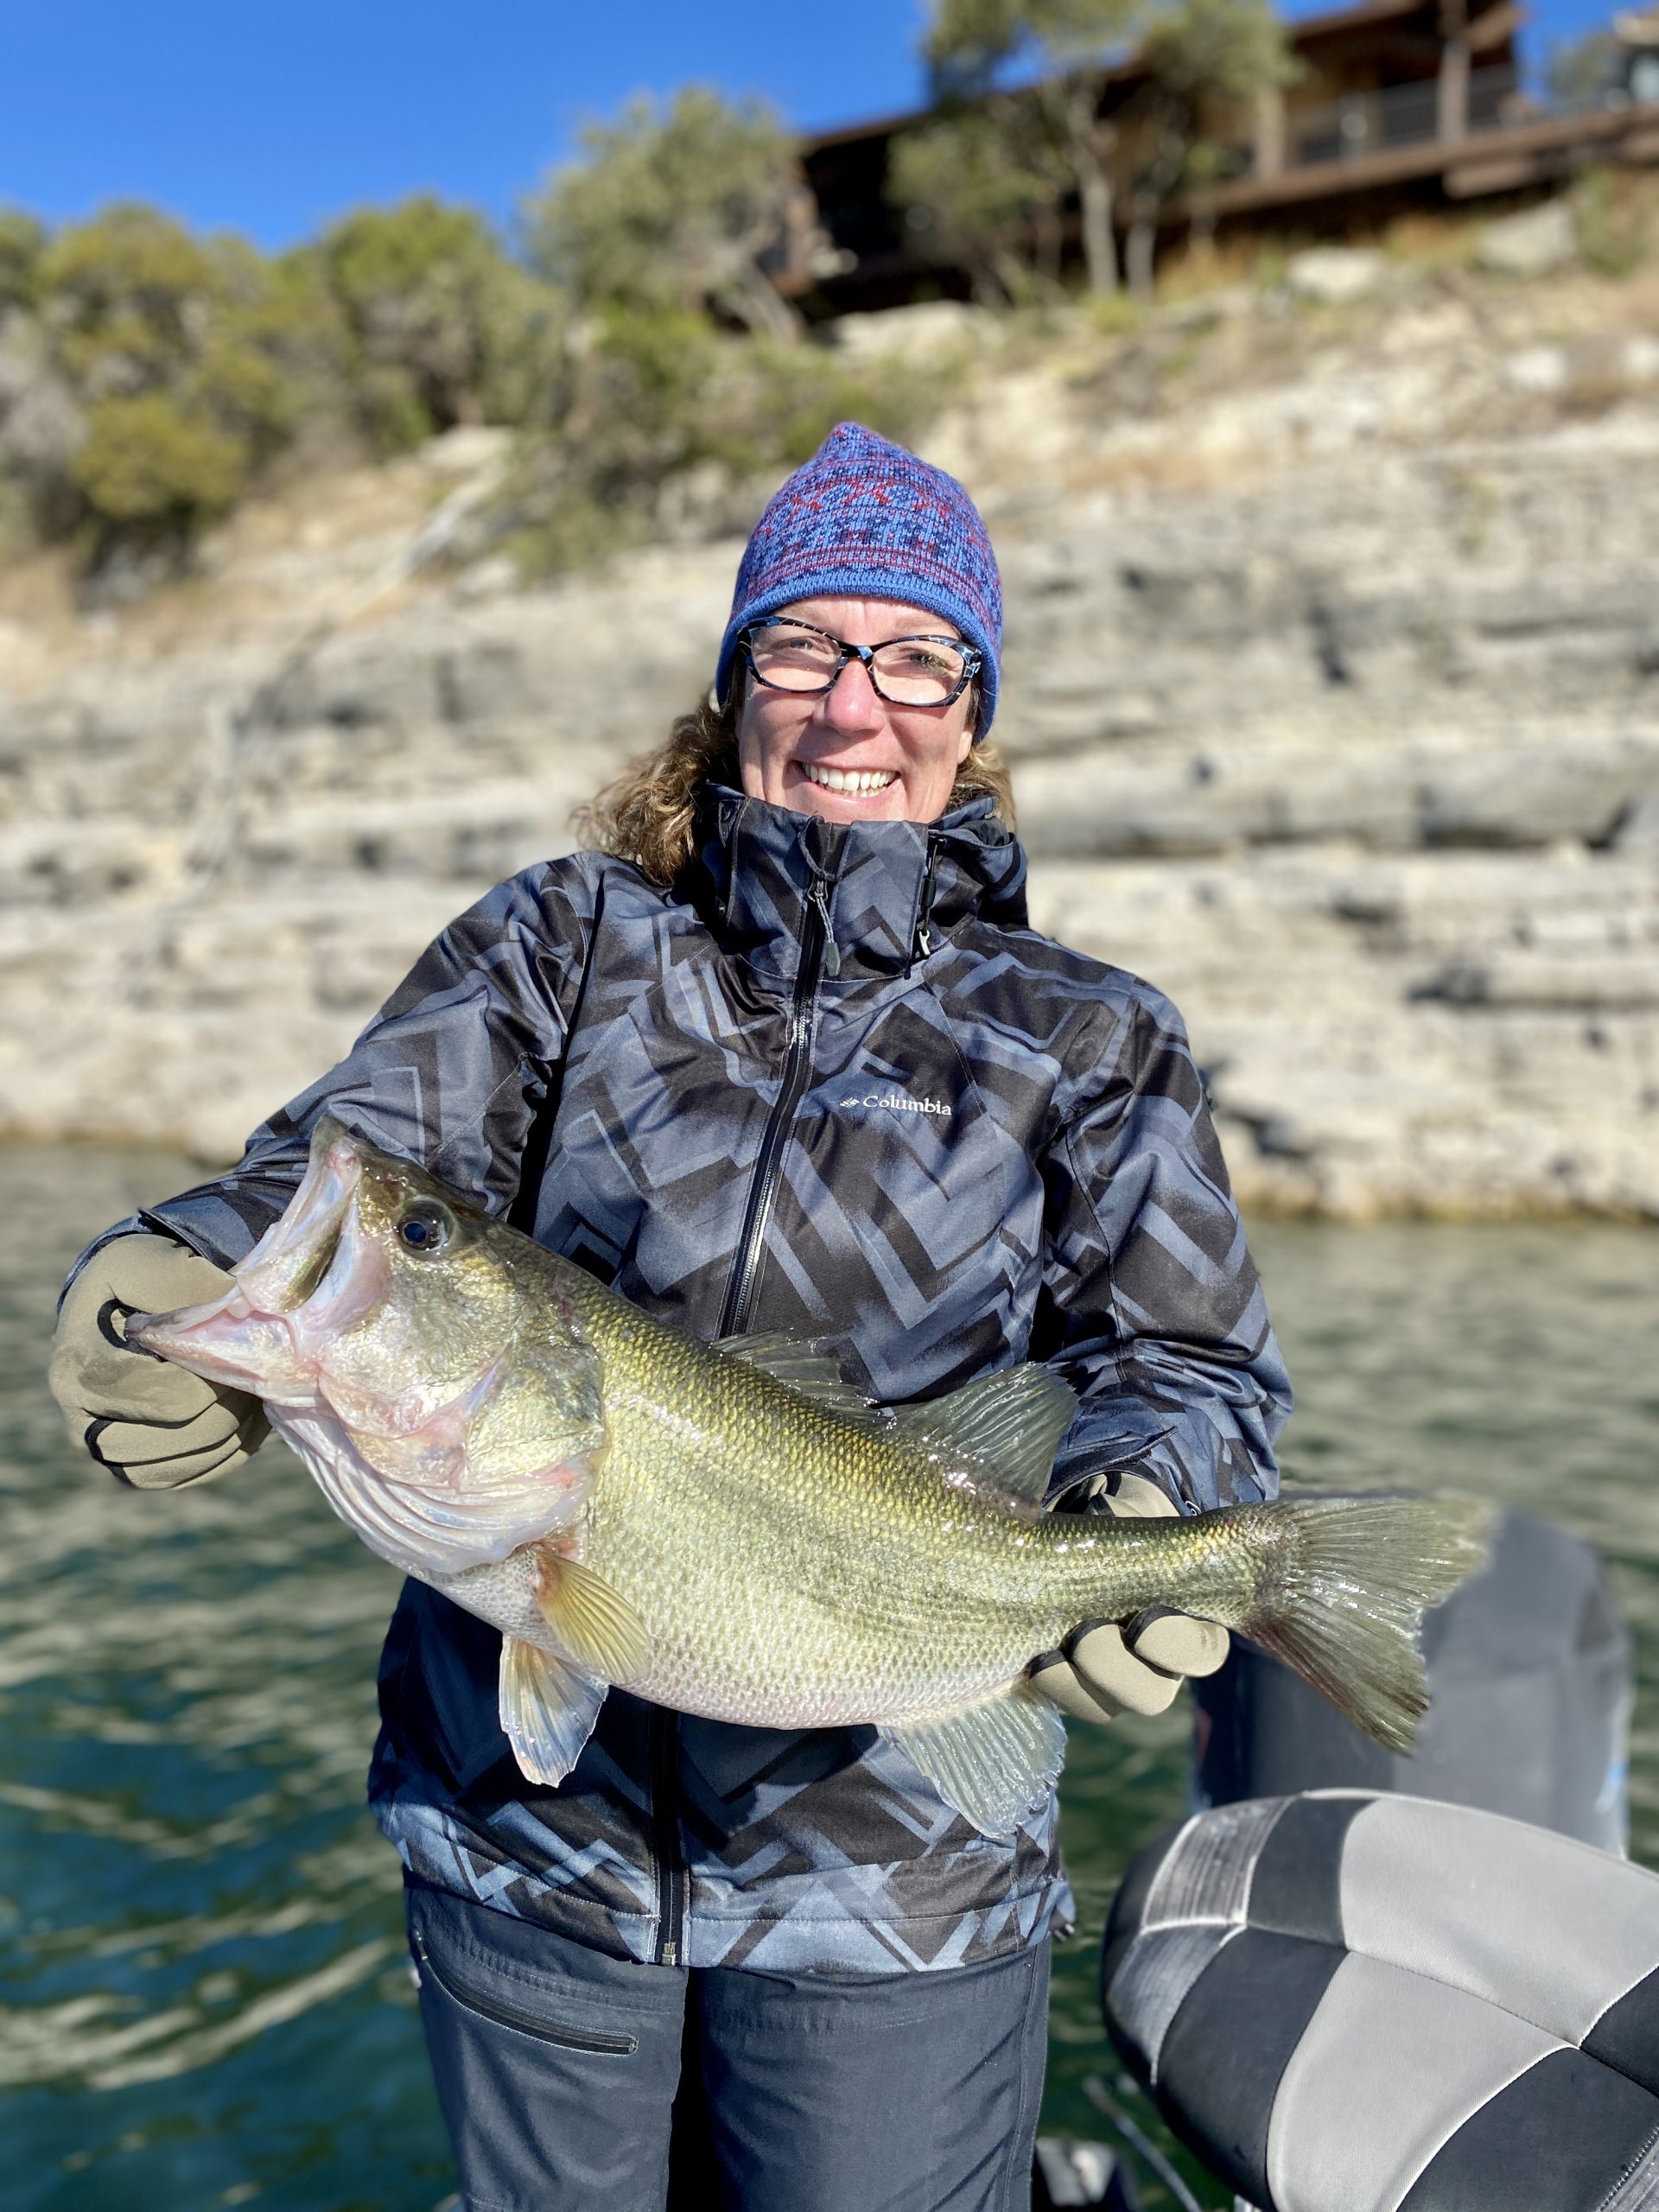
(1341, 1597)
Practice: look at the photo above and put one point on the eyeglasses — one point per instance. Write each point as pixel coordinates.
(788, 656)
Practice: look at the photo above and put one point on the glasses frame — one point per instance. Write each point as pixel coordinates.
(973, 661)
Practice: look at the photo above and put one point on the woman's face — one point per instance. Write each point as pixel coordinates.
(844, 753)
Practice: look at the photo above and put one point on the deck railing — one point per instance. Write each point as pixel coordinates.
(1360, 125)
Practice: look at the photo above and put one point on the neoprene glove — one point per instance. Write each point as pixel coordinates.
(149, 1423)
(1106, 1667)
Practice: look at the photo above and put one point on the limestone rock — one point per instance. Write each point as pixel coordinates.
(1335, 274)
(1541, 369)
(917, 335)
(1536, 242)
(1331, 696)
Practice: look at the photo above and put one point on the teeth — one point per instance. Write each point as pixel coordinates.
(851, 779)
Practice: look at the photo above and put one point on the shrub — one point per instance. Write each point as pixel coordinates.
(675, 423)
(674, 209)
(1613, 215)
(148, 374)
(157, 468)
(22, 241)
(440, 327)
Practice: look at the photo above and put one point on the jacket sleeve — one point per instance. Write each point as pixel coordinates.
(451, 1071)
(1151, 1308)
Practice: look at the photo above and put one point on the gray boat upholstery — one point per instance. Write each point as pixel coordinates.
(1348, 2001)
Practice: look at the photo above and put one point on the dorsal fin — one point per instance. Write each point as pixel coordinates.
(803, 1363)
(1009, 1423)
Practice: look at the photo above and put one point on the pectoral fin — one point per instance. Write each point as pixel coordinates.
(548, 1710)
(599, 1629)
(996, 1761)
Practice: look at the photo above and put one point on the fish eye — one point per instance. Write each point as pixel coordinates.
(425, 1226)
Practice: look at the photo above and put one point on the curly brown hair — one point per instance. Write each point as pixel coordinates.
(648, 814)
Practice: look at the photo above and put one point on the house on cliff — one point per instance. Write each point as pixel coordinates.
(1396, 104)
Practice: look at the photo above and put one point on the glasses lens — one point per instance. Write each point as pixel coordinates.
(793, 660)
(919, 671)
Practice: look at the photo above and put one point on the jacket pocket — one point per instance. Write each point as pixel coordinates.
(502, 2012)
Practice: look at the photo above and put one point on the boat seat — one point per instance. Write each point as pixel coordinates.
(1354, 2001)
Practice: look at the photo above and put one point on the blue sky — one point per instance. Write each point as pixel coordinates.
(270, 120)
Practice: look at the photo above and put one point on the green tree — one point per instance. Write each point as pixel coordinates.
(155, 466)
(22, 241)
(1582, 72)
(1064, 51)
(982, 182)
(670, 417)
(439, 325)
(684, 369)
(135, 304)
(184, 356)
(1205, 60)
(129, 297)
(675, 209)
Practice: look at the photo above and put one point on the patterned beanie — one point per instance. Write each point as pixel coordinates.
(865, 520)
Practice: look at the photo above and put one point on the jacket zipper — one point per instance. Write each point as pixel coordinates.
(665, 1836)
(491, 2007)
(818, 953)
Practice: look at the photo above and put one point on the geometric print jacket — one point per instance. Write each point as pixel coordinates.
(830, 1081)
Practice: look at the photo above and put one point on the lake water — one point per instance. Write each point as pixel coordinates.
(203, 1994)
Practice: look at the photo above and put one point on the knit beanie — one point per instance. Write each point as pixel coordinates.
(865, 520)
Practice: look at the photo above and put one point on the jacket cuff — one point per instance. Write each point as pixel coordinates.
(152, 1221)
(1077, 1474)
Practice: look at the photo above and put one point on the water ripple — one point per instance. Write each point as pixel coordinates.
(189, 1886)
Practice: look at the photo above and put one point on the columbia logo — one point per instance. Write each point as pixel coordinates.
(898, 1101)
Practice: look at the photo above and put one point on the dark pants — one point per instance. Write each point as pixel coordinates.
(558, 2069)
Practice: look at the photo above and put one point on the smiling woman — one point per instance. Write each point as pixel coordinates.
(783, 1056)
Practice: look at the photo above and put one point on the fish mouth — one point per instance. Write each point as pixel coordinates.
(313, 1272)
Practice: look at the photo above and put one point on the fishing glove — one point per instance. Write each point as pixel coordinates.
(1106, 1668)
(152, 1425)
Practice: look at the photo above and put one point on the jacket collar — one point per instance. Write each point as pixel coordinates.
(888, 891)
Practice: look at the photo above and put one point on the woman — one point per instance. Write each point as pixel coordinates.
(782, 1052)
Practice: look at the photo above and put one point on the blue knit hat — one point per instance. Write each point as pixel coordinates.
(865, 520)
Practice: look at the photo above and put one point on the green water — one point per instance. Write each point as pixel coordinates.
(203, 1996)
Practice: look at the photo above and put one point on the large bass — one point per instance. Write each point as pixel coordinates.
(729, 1529)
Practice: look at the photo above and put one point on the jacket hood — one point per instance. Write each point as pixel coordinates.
(888, 891)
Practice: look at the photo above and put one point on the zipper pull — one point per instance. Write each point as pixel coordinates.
(925, 906)
(819, 897)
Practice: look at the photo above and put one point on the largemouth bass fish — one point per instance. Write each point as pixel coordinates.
(728, 1528)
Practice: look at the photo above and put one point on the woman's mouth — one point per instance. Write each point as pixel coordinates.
(860, 782)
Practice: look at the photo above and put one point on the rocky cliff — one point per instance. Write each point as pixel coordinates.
(1331, 690)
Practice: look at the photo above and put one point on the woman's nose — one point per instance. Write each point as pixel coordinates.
(850, 702)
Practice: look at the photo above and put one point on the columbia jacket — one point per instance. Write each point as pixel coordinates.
(830, 1081)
